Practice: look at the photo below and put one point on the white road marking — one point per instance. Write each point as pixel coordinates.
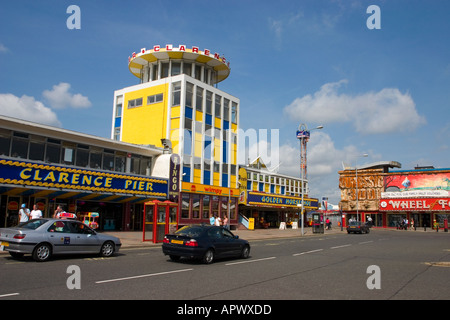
(343, 246)
(306, 252)
(250, 261)
(9, 295)
(144, 276)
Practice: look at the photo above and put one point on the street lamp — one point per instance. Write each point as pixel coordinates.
(303, 134)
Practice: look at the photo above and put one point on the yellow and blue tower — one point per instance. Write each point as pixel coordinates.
(177, 99)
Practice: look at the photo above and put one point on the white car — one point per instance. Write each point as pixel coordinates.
(43, 238)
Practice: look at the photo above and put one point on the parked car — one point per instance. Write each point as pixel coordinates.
(357, 227)
(204, 242)
(43, 238)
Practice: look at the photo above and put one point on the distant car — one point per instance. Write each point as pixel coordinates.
(204, 242)
(357, 227)
(43, 238)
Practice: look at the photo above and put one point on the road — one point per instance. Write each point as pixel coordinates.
(329, 267)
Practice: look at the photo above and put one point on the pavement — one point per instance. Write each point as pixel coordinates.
(132, 239)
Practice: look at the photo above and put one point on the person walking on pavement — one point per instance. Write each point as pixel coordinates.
(35, 213)
(225, 222)
(218, 221)
(24, 213)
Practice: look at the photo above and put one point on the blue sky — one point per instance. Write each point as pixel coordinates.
(384, 92)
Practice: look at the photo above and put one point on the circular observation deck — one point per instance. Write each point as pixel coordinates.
(161, 62)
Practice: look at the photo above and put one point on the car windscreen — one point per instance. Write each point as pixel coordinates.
(32, 224)
(190, 231)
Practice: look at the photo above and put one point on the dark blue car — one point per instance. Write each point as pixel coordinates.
(204, 242)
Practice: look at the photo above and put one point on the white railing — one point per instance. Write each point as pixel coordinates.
(243, 220)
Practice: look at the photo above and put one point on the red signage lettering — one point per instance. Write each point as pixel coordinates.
(415, 204)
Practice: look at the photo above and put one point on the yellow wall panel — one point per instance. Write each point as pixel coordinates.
(137, 121)
(175, 123)
(197, 176)
(175, 145)
(175, 112)
(198, 147)
(217, 122)
(199, 116)
(216, 179)
(255, 186)
(233, 181)
(217, 150)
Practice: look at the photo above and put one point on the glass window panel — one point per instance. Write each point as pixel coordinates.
(95, 160)
(19, 148)
(218, 106)
(82, 158)
(5, 142)
(176, 68)
(108, 162)
(37, 151)
(53, 153)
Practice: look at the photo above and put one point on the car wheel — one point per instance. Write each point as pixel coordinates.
(107, 249)
(245, 252)
(42, 252)
(209, 256)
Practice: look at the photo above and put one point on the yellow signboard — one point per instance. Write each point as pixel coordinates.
(206, 189)
(251, 223)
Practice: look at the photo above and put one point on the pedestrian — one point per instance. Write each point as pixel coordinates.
(225, 222)
(370, 221)
(58, 210)
(24, 213)
(412, 225)
(217, 221)
(436, 225)
(35, 213)
(211, 219)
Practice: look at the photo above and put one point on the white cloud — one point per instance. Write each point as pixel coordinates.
(385, 111)
(3, 49)
(27, 108)
(60, 97)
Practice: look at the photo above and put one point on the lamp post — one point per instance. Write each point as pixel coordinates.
(303, 134)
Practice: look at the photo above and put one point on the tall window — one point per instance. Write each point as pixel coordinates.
(208, 102)
(234, 112)
(218, 106)
(199, 99)
(189, 94)
(176, 94)
(176, 68)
